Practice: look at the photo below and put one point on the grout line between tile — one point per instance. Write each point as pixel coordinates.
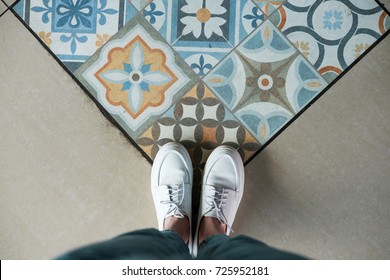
(233, 114)
(300, 53)
(232, 50)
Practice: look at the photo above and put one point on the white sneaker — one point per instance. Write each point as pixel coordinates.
(222, 188)
(171, 181)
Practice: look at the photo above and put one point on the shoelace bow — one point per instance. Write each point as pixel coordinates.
(174, 193)
(217, 201)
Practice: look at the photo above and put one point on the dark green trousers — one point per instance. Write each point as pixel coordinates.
(151, 244)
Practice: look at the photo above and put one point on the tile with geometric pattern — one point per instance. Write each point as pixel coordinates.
(201, 123)
(332, 34)
(136, 76)
(265, 81)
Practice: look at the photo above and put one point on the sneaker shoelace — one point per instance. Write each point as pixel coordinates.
(174, 200)
(217, 202)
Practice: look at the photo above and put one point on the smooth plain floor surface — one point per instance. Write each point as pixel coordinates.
(68, 177)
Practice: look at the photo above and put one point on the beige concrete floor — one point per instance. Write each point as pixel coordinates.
(68, 177)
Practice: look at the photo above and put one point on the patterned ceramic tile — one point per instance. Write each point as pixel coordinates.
(265, 82)
(269, 6)
(332, 34)
(75, 29)
(203, 31)
(136, 76)
(201, 123)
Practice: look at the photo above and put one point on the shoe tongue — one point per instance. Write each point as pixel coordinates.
(223, 180)
(173, 177)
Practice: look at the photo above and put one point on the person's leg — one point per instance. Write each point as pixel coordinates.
(216, 245)
(222, 190)
(171, 180)
(223, 247)
(146, 244)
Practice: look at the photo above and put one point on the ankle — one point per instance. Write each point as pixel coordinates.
(179, 225)
(210, 226)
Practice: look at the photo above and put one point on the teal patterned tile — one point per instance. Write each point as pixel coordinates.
(265, 82)
(332, 34)
(75, 30)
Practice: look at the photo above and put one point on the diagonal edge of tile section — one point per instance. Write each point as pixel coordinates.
(332, 34)
(136, 76)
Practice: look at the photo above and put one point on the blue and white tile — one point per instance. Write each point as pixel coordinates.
(265, 81)
(75, 29)
(332, 34)
(247, 21)
(208, 27)
(202, 63)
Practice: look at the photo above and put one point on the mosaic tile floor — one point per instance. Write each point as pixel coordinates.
(205, 72)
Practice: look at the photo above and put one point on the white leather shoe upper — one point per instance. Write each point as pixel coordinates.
(222, 187)
(171, 181)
